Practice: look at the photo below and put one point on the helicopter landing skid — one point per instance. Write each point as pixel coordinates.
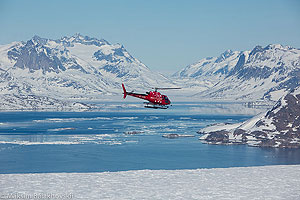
(154, 106)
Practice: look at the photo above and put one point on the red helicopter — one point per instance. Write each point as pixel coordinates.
(155, 98)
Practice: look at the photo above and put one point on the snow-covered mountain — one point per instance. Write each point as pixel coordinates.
(263, 73)
(278, 127)
(205, 73)
(71, 67)
(81, 67)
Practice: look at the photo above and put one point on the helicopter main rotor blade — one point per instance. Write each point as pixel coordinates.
(166, 88)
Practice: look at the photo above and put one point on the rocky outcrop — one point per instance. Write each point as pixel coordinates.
(175, 135)
(35, 56)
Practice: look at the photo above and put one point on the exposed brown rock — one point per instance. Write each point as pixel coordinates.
(239, 132)
(218, 136)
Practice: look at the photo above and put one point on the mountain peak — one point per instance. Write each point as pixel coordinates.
(228, 51)
(256, 49)
(38, 40)
(274, 46)
(259, 48)
(78, 35)
(278, 46)
(79, 38)
(224, 55)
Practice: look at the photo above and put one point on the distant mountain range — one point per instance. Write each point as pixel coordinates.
(63, 71)
(262, 73)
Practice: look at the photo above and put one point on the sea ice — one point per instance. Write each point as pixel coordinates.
(266, 182)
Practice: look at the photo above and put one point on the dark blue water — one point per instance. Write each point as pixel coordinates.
(35, 142)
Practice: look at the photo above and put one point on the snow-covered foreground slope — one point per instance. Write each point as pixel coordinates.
(267, 182)
(278, 127)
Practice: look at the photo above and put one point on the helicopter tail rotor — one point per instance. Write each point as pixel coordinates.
(124, 91)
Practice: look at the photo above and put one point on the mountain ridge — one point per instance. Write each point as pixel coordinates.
(71, 67)
(84, 67)
(258, 74)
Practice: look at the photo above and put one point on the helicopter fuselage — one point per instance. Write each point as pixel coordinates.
(154, 97)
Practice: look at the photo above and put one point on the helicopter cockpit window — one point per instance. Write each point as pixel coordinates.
(166, 99)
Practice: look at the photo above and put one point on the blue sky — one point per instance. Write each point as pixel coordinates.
(166, 35)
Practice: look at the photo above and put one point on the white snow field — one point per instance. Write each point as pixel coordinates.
(265, 182)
